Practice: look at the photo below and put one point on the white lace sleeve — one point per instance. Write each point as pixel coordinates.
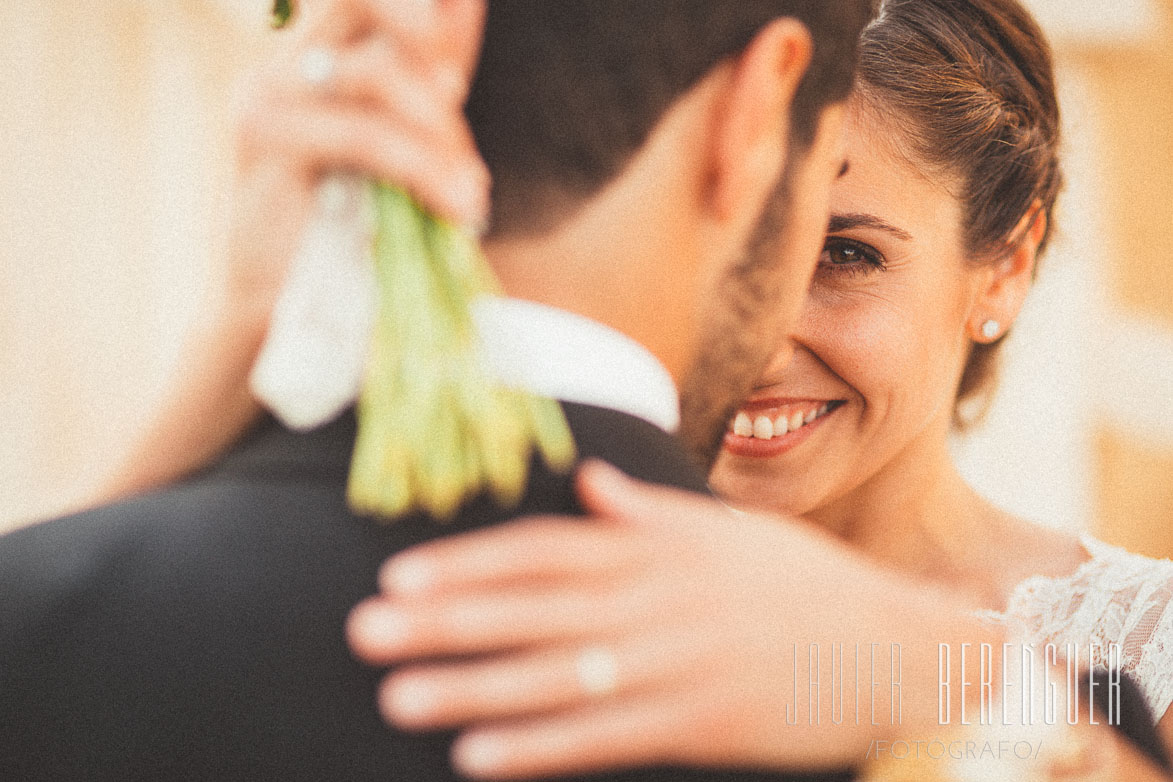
(1116, 597)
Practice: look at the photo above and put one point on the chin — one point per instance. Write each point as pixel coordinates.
(748, 487)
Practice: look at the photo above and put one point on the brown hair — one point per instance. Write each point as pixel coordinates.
(974, 79)
(567, 92)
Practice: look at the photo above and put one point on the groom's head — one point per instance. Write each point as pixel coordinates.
(662, 166)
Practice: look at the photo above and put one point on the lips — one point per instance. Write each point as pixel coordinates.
(770, 427)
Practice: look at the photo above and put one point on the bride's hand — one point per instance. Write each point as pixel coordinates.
(661, 633)
(364, 86)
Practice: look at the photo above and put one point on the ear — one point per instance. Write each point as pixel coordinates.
(1009, 280)
(751, 133)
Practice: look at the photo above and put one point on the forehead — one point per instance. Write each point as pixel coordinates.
(885, 179)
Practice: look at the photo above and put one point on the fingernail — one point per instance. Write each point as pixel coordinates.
(478, 755)
(409, 701)
(384, 626)
(407, 576)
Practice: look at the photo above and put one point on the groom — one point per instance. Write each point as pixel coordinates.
(660, 176)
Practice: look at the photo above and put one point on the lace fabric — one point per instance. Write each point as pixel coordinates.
(1116, 597)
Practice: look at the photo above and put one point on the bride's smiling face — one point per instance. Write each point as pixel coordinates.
(881, 344)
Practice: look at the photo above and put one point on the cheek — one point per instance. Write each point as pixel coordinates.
(889, 353)
(862, 341)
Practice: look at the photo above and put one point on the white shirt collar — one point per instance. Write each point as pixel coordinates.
(560, 354)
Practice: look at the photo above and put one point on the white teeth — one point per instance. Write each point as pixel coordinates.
(743, 426)
(781, 426)
(763, 428)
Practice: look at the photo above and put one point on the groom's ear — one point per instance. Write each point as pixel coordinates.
(1010, 278)
(751, 123)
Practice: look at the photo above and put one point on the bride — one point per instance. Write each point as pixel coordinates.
(934, 239)
(936, 230)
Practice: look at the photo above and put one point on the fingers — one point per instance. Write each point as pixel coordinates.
(555, 547)
(391, 107)
(391, 129)
(419, 25)
(529, 550)
(533, 581)
(372, 74)
(439, 38)
(384, 632)
(599, 738)
(527, 682)
(608, 492)
(436, 29)
(325, 22)
(314, 140)
(415, 24)
(434, 698)
(439, 697)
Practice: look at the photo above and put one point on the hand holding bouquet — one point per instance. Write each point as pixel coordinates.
(434, 429)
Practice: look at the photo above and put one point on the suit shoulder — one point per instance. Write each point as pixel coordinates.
(157, 543)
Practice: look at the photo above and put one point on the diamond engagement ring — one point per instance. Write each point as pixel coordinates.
(598, 671)
(318, 67)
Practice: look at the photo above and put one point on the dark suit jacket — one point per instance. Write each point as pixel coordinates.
(197, 633)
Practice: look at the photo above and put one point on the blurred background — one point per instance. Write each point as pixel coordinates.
(113, 177)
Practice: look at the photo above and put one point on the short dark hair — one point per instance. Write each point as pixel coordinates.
(567, 91)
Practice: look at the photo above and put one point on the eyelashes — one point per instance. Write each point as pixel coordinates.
(842, 256)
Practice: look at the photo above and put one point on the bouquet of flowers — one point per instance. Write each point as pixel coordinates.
(434, 429)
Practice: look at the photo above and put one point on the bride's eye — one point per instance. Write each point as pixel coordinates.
(847, 256)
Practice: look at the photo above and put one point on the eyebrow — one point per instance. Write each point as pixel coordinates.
(845, 222)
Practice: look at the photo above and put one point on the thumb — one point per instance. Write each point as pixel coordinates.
(606, 491)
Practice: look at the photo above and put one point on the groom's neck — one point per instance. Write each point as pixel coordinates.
(606, 268)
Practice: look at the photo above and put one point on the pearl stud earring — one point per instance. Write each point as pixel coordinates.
(991, 329)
